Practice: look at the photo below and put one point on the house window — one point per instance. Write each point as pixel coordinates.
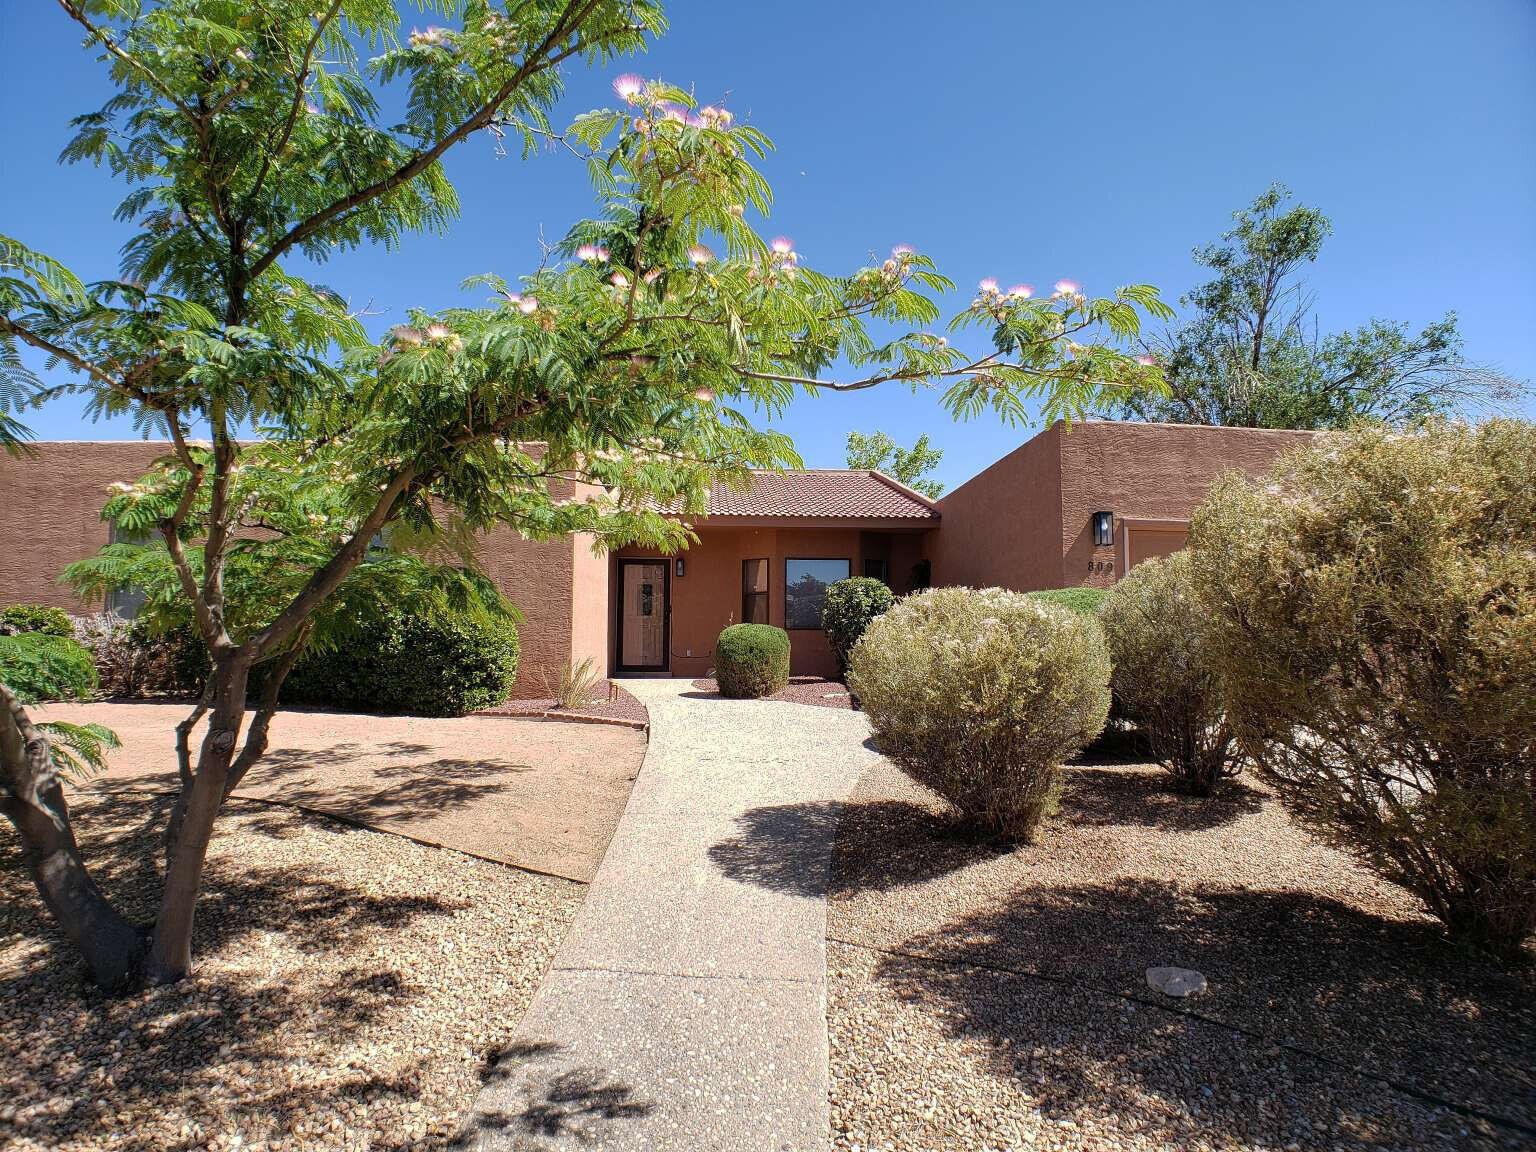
(126, 600)
(754, 591)
(877, 569)
(805, 589)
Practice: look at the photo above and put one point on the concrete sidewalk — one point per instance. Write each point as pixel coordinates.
(687, 1007)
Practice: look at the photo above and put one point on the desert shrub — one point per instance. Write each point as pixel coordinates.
(849, 607)
(981, 695)
(1375, 603)
(751, 660)
(577, 685)
(40, 618)
(143, 657)
(40, 667)
(1085, 601)
(430, 663)
(1159, 643)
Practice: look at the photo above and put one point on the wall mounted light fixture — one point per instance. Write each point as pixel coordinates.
(1103, 528)
(679, 565)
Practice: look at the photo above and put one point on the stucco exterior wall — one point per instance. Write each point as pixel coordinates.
(50, 513)
(1144, 471)
(1003, 526)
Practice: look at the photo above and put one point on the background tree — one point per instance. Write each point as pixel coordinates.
(909, 465)
(619, 378)
(1251, 354)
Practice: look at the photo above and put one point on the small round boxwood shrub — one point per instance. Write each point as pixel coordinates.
(40, 618)
(849, 607)
(1086, 601)
(980, 695)
(751, 660)
(1159, 642)
(428, 664)
(39, 668)
(1374, 602)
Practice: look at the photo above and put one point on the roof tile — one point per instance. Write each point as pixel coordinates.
(822, 494)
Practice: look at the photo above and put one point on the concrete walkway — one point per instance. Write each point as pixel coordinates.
(687, 1007)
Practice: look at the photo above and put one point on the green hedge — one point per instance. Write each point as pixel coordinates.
(40, 618)
(751, 660)
(849, 607)
(1085, 601)
(39, 667)
(440, 664)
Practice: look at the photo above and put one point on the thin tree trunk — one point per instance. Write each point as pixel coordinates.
(32, 798)
(170, 954)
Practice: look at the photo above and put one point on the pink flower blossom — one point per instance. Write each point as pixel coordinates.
(700, 254)
(1145, 361)
(704, 395)
(602, 254)
(438, 332)
(1021, 292)
(628, 87)
(902, 250)
(408, 336)
(651, 275)
(587, 252)
(528, 305)
(988, 286)
(512, 297)
(782, 245)
(619, 280)
(1068, 287)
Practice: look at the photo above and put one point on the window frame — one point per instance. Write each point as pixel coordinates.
(788, 560)
(749, 595)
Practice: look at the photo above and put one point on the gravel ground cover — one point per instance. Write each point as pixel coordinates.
(985, 999)
(351, 987)
(801, 690)
(612, 702)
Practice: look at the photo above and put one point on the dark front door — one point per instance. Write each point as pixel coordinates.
(643, 615)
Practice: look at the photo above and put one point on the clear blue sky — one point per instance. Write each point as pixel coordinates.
(1026, 140)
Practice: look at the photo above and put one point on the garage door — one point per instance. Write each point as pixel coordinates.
(1145, 543)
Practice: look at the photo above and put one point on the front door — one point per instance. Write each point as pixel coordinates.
(643, 615)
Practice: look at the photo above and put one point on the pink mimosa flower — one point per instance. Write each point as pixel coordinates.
(628, 87)
(700, 254)
(651, 275)
(902, 250)
(782, 245)
(438, 332)
(1145, 361)
(528, 305)
(704, 395)
(988, 286)
(1021, 292)
(587, 252)
(619, 280)
(1068, 287)
(512, 297)
(408, 336)
(602, 254)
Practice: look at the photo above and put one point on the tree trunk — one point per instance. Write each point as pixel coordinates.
(170, 954)
(32, 798)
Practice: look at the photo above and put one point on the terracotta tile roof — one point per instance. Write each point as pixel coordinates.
(818, 494)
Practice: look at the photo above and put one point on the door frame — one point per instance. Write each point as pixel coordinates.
(664, 668)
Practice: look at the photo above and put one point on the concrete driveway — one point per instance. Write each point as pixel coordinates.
(542, 795)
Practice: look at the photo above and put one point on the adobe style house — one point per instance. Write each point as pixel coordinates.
(1075, 505)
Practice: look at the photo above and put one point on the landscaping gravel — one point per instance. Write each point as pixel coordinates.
(350, 987)
(801, 690)
(610, 702)
(980, 998)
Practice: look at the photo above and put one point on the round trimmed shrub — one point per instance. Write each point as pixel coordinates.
(43, 619)
(980, 695)
(849, 607)
(1159, 642)
(431, 664)
(1374, 602)
(40, 667)
(751, 660)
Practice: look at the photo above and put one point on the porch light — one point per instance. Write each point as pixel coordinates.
(1103, 528)
(679, 566)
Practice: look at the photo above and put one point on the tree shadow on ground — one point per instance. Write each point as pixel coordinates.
(1096, 796)
(1390, 996)
(163, 1045)
(552, 1103)
(880, 845)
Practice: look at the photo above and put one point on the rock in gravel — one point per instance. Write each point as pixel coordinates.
(1176, 982)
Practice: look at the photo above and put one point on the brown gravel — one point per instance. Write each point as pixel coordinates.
(935, 1044)
(611, 702)
(801, 690)
(350, 987)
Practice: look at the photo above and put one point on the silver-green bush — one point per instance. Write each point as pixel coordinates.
(1165, 679)
(980, 695)
(1375, 602)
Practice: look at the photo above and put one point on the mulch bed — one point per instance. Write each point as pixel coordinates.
(801, 690)
(350, 990)
(611, 703)
(987, 998)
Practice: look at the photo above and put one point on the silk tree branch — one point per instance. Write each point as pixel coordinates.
(104, 38)
(43, 344)
(534, 63)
